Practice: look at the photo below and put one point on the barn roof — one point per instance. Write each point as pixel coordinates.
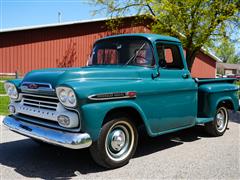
(24, 28)
(57, 24)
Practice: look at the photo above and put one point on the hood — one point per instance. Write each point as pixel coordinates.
(57, 76)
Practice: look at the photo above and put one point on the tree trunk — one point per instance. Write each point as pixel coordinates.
(190, 57)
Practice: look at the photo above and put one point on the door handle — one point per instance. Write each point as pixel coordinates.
(185, 76)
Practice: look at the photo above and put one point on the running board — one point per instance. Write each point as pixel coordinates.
(203, 120)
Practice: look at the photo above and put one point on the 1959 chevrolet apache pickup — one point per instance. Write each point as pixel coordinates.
(131, 80)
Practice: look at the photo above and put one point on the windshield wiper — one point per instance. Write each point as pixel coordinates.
(135, 55)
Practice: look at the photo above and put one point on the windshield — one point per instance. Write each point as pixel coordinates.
(122, 51)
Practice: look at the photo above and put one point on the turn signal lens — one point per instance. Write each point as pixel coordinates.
(63, 120)
(11, 109)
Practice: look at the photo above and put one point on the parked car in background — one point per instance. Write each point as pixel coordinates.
(219, 75)
(236, 76)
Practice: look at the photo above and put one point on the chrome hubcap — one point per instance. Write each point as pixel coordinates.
(221, 119)
(118, 140)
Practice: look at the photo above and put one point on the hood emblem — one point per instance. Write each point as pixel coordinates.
(32, 86)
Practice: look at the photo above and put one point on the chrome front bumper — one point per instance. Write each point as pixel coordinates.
(56, 137)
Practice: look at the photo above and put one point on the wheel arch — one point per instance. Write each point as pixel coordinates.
(95, 115)
(226, 102)
(136, 115)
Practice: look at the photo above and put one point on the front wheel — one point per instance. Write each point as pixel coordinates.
(116, 144)
(219, 125)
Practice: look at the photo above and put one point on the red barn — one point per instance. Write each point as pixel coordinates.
(69, 44)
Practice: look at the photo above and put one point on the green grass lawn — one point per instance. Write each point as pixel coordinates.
(3, 78)
(4, 101)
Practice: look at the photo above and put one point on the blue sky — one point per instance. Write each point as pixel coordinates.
(19, 13)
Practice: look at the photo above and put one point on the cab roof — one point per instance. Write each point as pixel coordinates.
(150, 37)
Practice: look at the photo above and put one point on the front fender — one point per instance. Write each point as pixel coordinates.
(93, 115)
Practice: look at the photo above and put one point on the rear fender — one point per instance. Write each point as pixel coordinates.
(210, 95)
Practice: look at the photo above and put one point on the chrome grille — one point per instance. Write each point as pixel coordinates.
(42, 110)
(44, 102)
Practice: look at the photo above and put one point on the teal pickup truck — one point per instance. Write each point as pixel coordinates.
(131, 80)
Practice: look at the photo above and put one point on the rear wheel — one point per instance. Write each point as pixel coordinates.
(219, 125)
(116, 144)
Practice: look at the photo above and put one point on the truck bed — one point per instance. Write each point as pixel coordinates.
(201, 81)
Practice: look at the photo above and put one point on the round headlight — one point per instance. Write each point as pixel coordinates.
(11, 90)
(63, 95)
(66, 96)
(71, 97)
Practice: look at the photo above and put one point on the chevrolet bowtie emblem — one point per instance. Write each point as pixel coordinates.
(32, 86)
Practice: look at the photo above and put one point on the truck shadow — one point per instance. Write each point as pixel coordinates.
(50, 162)
(148, 145)
(235, 117)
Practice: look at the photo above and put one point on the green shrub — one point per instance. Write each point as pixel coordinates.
(4, 102)
(2, 91)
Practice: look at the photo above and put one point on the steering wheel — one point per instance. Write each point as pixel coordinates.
(140, 58)
(162, 63)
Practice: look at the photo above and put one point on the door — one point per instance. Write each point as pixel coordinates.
(176, 96)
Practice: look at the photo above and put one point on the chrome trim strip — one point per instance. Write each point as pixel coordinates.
(38, 101)
(91, 97)
(39, 105)
(56, 137)
(35, 95)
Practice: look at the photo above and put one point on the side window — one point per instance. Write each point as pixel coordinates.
(169, 56)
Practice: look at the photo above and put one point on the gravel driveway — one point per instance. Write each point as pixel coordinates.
(187, 154)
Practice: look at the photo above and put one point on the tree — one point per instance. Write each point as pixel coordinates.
(226, 52)
(194, 22)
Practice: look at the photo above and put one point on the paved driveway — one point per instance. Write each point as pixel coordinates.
(186, 154)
